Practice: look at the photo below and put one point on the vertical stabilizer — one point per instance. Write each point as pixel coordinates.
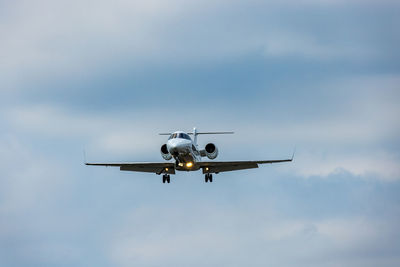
(195, 136)
(196, 133)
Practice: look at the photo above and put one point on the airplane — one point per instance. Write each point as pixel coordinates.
(188, 157)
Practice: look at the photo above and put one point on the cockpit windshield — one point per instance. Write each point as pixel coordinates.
(179, 135)
(184, 136)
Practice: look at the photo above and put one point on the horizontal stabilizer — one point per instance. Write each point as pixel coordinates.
(213, 133)
(201, 133)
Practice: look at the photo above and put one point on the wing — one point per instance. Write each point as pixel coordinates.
(154, 167)
(225, 166)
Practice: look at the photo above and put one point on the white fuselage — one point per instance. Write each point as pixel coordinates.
(184, 151)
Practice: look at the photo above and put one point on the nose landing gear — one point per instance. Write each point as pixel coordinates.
(166, 178)
(208, 177)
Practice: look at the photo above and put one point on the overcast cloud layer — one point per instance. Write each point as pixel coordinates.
(106, 77)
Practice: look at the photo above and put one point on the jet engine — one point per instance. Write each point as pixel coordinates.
(165, 153)
(211, 151)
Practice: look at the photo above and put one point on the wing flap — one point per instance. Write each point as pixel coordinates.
(225, 166)
(152, 167)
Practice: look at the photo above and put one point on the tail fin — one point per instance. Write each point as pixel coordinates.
(195, 136)
(196, 133)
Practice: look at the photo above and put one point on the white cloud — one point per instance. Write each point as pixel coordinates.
(347, 138)
(36, 222)
(79, 38)
(28, 179)
(347, 234)
(382, 165)
(209, 236)
(114, 133)
(38, 215)
(306, 45)
(72, 37)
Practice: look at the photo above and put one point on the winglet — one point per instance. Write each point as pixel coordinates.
(294, 151)
(84, 157)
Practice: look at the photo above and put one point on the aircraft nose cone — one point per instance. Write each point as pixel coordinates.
(173, 148)
(177, 146)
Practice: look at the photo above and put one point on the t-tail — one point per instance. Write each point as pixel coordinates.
(195, 133)
(195, 136)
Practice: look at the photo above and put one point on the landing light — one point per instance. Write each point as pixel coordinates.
(166, 169)
(189, 164)
(180, 164)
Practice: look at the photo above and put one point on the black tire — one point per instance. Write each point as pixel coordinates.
(168, 179)
(165, 178)
(210, 178)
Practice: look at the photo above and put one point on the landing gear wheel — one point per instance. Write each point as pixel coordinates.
(166, 178)
(208, 177)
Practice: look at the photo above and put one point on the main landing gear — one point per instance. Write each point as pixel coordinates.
(208, 177)
(166, 178)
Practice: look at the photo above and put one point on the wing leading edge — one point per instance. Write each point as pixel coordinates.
(154, 167)
(225, 166)
(207, 167)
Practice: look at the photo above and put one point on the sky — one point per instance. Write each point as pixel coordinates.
(107, 76)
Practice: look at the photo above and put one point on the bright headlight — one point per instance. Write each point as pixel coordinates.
(189, 164)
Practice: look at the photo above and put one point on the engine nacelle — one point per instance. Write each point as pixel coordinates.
(211, 151)
(165, 153)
